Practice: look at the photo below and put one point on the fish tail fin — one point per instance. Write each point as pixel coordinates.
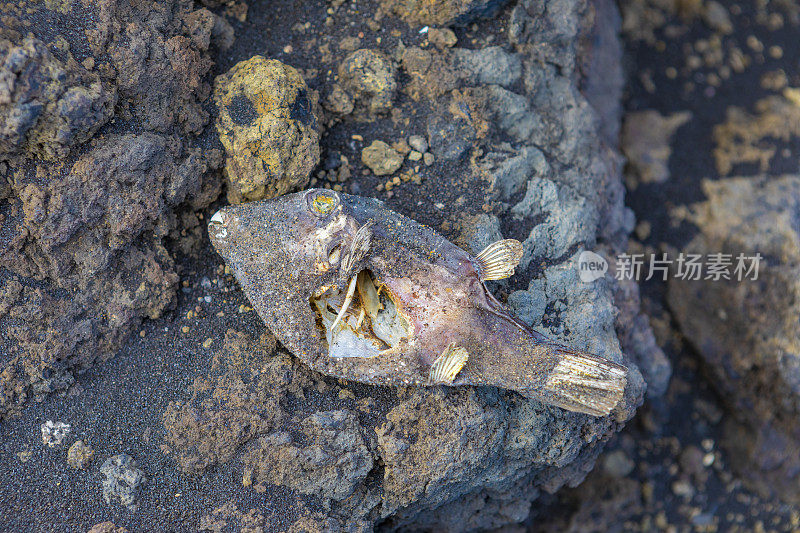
(585, 383)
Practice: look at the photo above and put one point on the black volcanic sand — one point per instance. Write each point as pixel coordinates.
(116, 408)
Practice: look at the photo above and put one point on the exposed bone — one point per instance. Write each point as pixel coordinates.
(358, 247)
(389, 324)
(374, 325)
(499, 259)
(347, 341)
(351, 289)
(368, 294)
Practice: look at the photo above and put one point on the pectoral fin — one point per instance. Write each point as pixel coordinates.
(448, 365)
(499, 259)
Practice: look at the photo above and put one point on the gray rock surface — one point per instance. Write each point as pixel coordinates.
(488, 66)
(123, 480)
(330, 462)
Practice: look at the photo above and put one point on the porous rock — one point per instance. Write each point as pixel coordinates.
(250, 386)
(747, 330)
(94, 229)
(490, 65)
(330, 462)
(79, 454)
(123, 480)
(48, 106)
(268, 123)
(369, 77)
(87, 202)
(646, 137)
(381, 158)
(443, 12)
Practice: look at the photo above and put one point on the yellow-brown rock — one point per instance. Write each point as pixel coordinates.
(369, 77)
(268, 123)
(381, 158)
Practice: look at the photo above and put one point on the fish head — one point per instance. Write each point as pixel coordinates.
(303, 236)
(286, 250)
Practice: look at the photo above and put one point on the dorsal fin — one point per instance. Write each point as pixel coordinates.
(499, 259)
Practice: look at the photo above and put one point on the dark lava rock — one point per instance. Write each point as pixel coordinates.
(83, 259)
(443, 12)
(330, 460)
(122, 480)
(83, 255)
(450, 138)
(47, 105)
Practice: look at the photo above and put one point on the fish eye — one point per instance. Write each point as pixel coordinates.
(322, 203)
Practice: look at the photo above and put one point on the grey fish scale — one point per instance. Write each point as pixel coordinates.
(276, 249)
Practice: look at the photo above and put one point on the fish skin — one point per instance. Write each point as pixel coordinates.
(277, 250)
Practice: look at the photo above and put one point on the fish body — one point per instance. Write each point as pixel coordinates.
(361, 292)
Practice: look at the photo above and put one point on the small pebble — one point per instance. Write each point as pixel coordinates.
(618, 464)
(418, 143)
(682, 488)
(79, 454)
(54, 432)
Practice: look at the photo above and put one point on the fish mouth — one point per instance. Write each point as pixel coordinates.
(362, 320)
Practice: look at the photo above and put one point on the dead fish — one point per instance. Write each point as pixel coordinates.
(363, 293)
